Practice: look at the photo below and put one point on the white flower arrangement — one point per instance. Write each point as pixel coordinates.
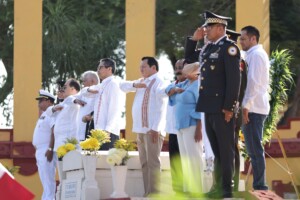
(119, 155)
(116, 156)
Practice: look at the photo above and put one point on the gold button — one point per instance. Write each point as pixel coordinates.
(201, 87)
(204, 60)
(232, 109)
(234, 101)
(202, 78)
(212, 67)
(217, 94)
(203, 69)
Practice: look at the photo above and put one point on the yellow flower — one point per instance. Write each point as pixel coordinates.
(124, 144)
(101, 135)
(91, 144)
(70, 147)
(241, 136)
(94, 143)
(61, 151)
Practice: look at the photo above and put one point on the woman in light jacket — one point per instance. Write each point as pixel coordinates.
(188, 123)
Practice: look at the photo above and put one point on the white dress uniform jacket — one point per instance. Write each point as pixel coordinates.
(65, 122)
(41, 140)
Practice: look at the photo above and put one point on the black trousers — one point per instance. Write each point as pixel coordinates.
(175, 163)
(221, 137)
(236, 175)
(109, 145)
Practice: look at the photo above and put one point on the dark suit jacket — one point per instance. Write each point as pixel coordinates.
(220, 76)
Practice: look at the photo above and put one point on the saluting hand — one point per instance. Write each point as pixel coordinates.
(57, 108)
(175, 90)
(139, 85)
(92, 91)
(80, 102)
(87, 118)
(198, 34)
(228, 115)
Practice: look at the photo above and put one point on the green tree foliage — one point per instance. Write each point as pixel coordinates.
(78, 33)
(6, 45)
(175, 20)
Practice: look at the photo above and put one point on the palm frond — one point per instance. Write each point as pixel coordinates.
(281, 81)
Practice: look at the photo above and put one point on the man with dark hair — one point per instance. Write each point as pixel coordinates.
(107, 107)
(174, 154)
(220, 83)
(151, 62)
(44, 145)
(65, 114)
(255, 104)
(60, 84)
(148, 114)
(108, 63)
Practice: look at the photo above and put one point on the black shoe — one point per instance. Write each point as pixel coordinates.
(213, 194)
(227, 195)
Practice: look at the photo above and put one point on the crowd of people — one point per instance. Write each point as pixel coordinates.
(216, 93)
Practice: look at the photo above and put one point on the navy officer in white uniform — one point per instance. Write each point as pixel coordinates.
(45, 159)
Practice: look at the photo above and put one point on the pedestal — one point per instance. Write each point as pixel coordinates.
(90, 189)
(119, 180)
(62, 176)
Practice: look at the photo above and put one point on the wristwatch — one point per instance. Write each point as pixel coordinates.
(50, 149)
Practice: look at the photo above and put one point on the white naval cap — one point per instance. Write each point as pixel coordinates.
(43, 94)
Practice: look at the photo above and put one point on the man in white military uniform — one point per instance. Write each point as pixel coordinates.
(45, 159)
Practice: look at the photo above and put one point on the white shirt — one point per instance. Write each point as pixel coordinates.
(42, 131)
(107, 107)
(66, 121)
(256, 98)
(83, 111)
(156, 107)
(170, 119)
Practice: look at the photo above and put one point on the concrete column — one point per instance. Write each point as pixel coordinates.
(255, 13)
(140, 41)
(27, 66)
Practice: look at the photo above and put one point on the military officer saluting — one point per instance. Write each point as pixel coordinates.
(218, 95)
(43, 143)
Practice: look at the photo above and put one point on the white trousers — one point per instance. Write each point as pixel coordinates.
(46, 172)
(191, 159)
(207, 147)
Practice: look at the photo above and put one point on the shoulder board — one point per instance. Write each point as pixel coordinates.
(229, 41)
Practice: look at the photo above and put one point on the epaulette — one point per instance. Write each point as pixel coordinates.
(229, 41)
